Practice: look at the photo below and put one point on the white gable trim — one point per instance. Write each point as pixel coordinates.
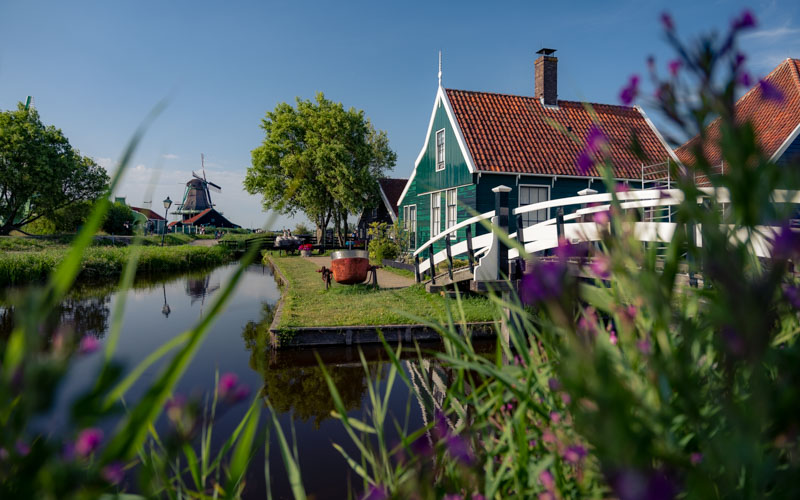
(388, 205)
(441, 96)
(789, 140)
(658, 134)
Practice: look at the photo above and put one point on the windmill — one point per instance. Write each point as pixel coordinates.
(197, 196)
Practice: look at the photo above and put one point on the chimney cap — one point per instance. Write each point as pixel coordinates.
(546, 52)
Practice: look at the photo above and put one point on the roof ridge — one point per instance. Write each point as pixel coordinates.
(795, 71)
(560, 101)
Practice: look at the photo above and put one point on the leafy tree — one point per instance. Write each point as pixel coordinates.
(319, 159)
(301, 228)
(39, 171)
(119, 219)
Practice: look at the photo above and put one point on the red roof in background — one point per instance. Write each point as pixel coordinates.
(772, 121)
(392, 189)
(147, 213)
(509, 133)
(190, 220)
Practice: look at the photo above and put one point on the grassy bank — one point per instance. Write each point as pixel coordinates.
(307, 303)
(106, 262)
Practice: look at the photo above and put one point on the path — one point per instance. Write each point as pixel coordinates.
(203, 243)
(386, 279)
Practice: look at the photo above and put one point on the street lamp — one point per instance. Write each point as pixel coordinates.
(165, 310)
(167, 204)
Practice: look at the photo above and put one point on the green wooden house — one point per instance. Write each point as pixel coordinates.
(477, 141)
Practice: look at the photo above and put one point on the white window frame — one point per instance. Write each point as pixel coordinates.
(410, 224)
(528, 215)
(451, 219)
(440, 159)
(436, 214)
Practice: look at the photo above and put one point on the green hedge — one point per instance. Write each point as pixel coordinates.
(107, 262)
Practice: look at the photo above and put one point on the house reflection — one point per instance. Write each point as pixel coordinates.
(198, 288)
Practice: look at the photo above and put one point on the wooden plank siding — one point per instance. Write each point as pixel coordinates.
(427, 181)
(792, 153)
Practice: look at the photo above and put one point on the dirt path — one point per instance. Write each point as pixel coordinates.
(203, 243)
(386, 279)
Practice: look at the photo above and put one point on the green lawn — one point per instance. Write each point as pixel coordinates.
(307, 303)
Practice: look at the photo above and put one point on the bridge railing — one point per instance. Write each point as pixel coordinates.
(545, 235)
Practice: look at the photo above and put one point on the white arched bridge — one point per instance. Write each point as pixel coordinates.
(481, 251)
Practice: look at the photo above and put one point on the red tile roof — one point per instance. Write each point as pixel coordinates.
(772, 121)
(191, 220)
(509, 133)
(392, 189)
(147, 213)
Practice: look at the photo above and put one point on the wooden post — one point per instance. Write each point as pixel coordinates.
(432, 269)
(520, 236)
(560, 222)
(449, 256)
(470, 251)
(416, 269)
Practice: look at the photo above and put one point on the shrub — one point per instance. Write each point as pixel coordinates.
(384, 242)
(119, 219)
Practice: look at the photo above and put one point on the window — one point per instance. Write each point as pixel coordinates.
(452, 209)
(410, 224)
(533, 194)
(436, 214)
(440, 150)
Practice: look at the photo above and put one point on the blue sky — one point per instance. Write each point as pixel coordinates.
(96, 68)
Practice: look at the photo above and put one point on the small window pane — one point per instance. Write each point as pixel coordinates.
(529, 195)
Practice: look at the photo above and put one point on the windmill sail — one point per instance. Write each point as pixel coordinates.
(197, 196)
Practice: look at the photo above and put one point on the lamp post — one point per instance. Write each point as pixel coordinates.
(165, 310)
(167, 204)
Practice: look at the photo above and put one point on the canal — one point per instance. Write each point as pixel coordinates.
(158, 311)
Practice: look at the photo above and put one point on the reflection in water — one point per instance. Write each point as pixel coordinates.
(199, 288)
(84, 316)
(165, 310)
(297, 386)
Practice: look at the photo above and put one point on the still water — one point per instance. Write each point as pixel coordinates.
(156, 312)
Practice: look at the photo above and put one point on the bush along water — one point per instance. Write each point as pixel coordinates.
(102, 263)
(631, 384)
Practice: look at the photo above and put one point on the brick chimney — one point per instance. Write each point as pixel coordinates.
(546, 77)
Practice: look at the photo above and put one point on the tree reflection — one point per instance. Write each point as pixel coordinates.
(292, 383)
(81, 316)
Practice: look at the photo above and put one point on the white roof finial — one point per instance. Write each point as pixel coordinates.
(440, 68)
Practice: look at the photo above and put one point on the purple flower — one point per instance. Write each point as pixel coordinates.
(554, 384)
(574, 454)
(621, 188)
(376, 492)
(227, 383)
(89, 344)
(421, 447)
(3, 454)
(601, 266)
(88, 441)
(612, 337)
(113, 473)
(792, 294)
(175, 407)
(696, 458)
(546, 478)
(453, 496)
(596, 139)
(666, 22)
(22, 447)
(675, 66)
(629, 92)
(602, 218)
(555, 417)
(644, 346)
(545, 281)
(786, 244)
(459, 449)
(770, 92)
(630, 484)
(584, 162)
(738, 60)
(733, 341)
(745, 20)
(744, 79)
